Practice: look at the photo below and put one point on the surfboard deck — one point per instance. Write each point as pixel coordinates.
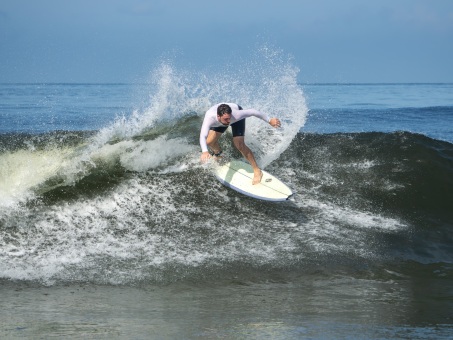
(238, 176)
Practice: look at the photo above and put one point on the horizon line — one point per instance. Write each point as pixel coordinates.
(299, 83)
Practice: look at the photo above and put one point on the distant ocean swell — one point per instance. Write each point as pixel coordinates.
(432, 121)
(371, 199)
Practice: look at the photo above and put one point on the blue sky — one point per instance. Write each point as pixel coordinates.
(122, 40)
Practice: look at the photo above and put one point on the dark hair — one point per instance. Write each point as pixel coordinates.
(223, 109)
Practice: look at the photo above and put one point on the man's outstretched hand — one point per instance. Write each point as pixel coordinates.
(275, 122)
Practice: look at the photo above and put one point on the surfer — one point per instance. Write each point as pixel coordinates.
(216, 121)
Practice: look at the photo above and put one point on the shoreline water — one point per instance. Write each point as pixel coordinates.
(312, 308)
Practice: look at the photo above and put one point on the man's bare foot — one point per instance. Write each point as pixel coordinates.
(257, 176)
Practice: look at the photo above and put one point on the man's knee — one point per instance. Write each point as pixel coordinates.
(239, 143)
(213, 137)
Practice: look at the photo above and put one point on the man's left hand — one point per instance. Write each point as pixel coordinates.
(275, 122)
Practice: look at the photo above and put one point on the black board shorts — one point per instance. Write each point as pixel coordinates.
(238, 128)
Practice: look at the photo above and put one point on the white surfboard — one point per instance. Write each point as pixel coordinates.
(238, 175)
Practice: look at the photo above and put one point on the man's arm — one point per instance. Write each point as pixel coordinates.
(203, 135)
(275, 122)
(240, 114)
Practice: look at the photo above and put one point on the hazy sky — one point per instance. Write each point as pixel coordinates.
(122, 40)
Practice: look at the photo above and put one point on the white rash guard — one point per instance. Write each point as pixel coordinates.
(210, 120)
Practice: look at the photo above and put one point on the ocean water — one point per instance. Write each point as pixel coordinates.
(111, 228)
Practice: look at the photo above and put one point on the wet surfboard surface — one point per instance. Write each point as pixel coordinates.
(238, 175)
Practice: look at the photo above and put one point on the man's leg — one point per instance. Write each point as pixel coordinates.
(239, 143)
(213, 141)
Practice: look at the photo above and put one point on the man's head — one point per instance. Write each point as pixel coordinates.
(224, 114)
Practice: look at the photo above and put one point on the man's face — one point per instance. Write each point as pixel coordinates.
(225, 119)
